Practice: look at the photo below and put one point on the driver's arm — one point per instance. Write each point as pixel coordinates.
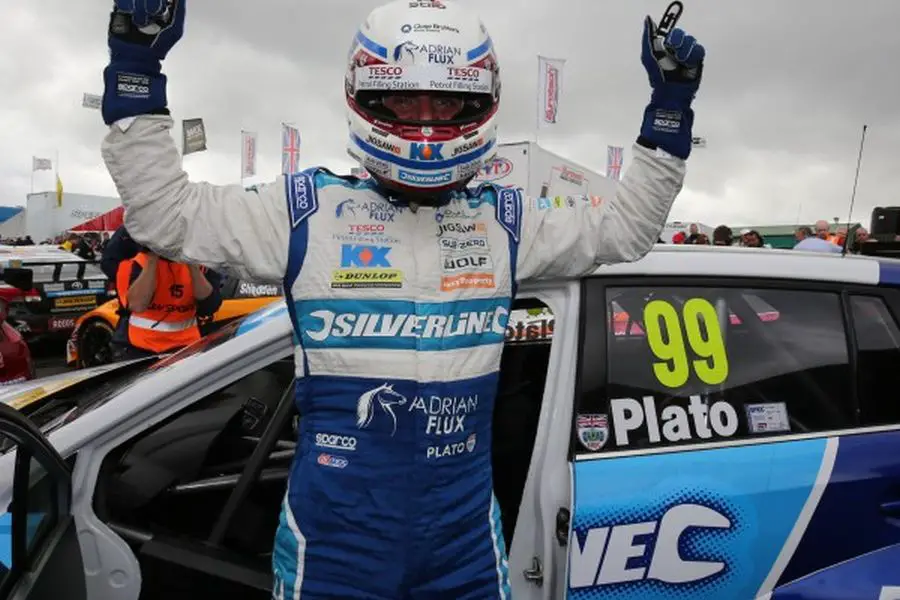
(222, 226)
(573, 240)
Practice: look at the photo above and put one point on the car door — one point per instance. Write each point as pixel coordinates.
(720, 445)
(40, 558)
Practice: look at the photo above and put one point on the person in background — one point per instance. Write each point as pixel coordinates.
(815, 243)
(823, 231)
(702, 239)
(166, 302)
(722, 236)
(693, 233)
(122, 262)
(803, 233)
(82, 248)
(751, 238)
(679, 237)
(68, 243)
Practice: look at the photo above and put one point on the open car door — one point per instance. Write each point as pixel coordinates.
(40, 558)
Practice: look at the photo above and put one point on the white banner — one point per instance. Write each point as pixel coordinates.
(550, 74)
(193, 138)
(430, 77)
(248, 154)
(92, 101)
(41, 164)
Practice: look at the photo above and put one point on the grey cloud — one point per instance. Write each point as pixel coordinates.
(786, 89)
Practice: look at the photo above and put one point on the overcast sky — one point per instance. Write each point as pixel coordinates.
(786, 89)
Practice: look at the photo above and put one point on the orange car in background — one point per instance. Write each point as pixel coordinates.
(89, 344)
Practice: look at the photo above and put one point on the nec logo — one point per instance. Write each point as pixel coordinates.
(353, 255)
(426, 151)
(611, 555)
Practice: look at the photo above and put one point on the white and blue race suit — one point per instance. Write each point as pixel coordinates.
(400, 317)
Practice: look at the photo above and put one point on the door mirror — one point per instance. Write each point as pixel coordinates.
(18, 277)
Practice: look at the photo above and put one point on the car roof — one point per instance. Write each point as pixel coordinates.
(734, 261)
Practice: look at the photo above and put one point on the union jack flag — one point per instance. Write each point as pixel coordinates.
(614, 162)
(290, 149)
(592, 421)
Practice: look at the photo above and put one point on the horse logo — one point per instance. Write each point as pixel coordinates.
(347, 206)
(407, 47)
(386, 398)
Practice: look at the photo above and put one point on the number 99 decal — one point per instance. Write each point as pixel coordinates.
(669, 341)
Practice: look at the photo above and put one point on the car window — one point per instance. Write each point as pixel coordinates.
(39, 493)
(878, 346)
(49, 411)
(693, 364)
(177, 476)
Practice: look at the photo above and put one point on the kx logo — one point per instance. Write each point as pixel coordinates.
(364, 256)
(426, 151)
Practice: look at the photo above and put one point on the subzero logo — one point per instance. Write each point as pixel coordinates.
(425, 178)
(611, 554)
(132, 85)
(383, 144)
(336, 442)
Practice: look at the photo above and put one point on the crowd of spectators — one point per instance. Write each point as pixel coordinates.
(88, 246)
(807, 239)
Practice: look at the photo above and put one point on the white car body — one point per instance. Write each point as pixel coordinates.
(538, 563)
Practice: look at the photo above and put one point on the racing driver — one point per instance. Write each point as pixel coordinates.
(398, 286)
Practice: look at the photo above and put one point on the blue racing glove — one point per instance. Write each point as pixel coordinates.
(141, 33)
(675, 65)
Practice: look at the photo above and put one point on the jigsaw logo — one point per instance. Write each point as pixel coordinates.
(657, 550)
(365, 256)
(426, 152)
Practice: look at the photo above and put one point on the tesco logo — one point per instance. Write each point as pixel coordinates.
(463, 72)
(385, 71)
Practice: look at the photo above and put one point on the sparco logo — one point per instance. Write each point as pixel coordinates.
(385, 72)
(336, 442)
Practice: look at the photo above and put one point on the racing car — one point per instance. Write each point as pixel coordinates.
(65, 287)
(89, 344)
(703, 423)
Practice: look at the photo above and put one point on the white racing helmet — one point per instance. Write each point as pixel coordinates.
(422, 88)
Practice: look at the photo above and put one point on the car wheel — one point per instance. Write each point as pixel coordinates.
(94, 344)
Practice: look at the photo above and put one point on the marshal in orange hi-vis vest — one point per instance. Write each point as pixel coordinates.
(170, 320)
